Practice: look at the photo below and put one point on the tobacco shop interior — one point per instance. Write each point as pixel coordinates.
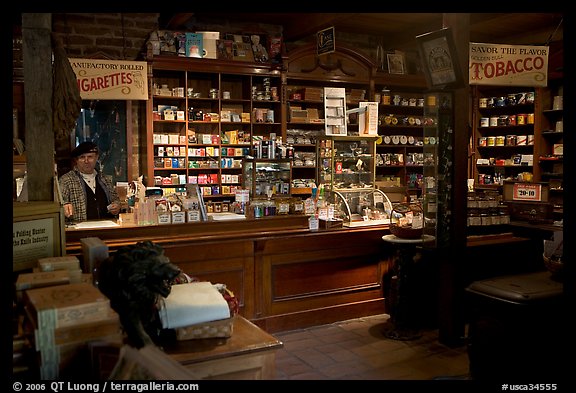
(268, 184)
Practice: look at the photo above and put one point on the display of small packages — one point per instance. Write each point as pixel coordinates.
(169, 212)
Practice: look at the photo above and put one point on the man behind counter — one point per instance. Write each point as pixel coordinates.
(86, 193)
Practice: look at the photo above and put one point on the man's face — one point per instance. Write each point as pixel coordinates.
(87, 162)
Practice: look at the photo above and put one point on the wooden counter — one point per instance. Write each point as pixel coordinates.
(284, 276)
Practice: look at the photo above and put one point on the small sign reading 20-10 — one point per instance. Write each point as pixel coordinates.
(527, 192)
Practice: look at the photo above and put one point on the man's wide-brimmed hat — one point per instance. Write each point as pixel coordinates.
(83, 148)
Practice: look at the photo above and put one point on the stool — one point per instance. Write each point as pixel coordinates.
(516, 326)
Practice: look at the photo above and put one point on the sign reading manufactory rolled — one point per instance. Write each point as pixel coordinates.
(514, 65)
(111, 79)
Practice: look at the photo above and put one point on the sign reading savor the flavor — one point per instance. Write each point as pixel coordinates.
(527, 192)
(513, 65)
(111, 79)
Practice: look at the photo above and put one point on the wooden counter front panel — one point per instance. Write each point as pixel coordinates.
(337, 273)
(284, 278)
(226, 262)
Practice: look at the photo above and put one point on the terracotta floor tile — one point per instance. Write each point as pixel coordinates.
(358, 350)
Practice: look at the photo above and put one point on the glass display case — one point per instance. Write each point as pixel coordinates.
(346, 172)
(267, 177)
(361, 207)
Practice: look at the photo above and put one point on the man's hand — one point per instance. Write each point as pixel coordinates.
(114, 208)
(68, 210)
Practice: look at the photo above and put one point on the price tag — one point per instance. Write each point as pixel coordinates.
(527, 192)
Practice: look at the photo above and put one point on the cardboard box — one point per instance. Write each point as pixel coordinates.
(209, 43)
(298, 115)
(312, 94)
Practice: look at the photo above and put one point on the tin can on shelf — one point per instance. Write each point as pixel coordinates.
(510, 140)
(491, 141)
(511, 120)
(521, 98)
(500, 140)
(483, 102)
(386, 97)
(494, 121)
(482, 141)
(530, 118)
(530, 140)
(521, 140)
(484, 122)
(502, 120)
(521, 119)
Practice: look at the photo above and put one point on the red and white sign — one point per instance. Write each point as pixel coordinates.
(527, 192)
(514, 65)
(111, 79)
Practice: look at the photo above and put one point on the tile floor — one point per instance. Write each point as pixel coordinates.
(357, 349)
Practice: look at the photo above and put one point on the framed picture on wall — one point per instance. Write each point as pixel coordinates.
(396, 63)
(439, 59)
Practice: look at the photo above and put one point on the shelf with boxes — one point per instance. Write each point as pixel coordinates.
(400, 157)
(307, 76)
(551, 152)
(305, 125)
(504, 120)
(212, 114)
(308, 122)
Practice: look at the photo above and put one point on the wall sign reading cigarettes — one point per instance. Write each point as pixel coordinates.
(111, 79)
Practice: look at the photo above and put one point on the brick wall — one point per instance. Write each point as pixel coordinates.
(119, 36)
(116, 36)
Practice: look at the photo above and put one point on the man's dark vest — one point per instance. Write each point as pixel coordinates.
(96, 202)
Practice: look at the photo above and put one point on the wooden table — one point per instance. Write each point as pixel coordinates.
(250, 353)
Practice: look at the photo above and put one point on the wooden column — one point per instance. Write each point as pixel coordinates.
(451, 309)
(39, 136)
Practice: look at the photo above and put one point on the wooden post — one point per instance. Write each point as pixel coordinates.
(39, 136)
(452, 265)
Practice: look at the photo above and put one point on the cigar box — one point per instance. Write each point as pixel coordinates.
(42, 279)
(71, 360)
(220, 328)
(64, 318)
(59, 263)
(62, 306)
